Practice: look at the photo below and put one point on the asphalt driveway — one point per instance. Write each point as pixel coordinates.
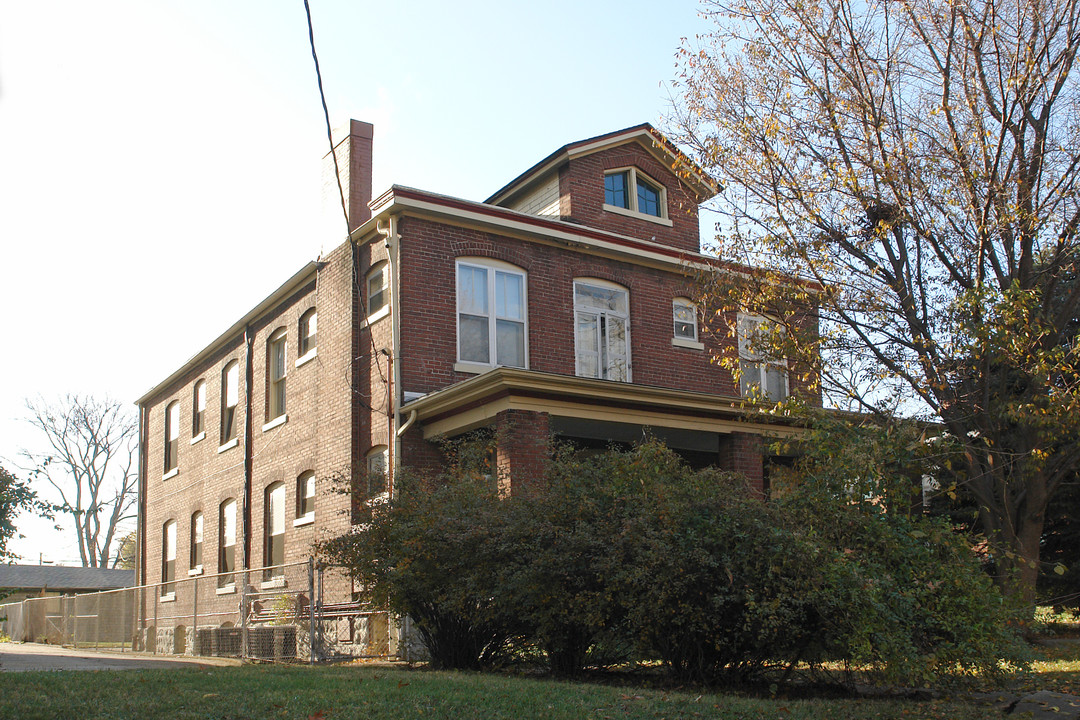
(21, 657)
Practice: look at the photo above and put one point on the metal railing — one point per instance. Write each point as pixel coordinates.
(273, 613)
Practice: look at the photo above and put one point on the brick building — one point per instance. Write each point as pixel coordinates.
(559, 307)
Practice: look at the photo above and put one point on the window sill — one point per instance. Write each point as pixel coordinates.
(273, 583)
(307, 357)
(197, 438)
(195, 571)
(304, 520)
(690, 344)
(171, 474)
(229, 445)
(378, 314)
(473, 368)
(167, 597)
(634, 214)
(227, 589)
(279, 420)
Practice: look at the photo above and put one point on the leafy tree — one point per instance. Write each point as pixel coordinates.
(91, 463)
(916, 162)
(15, 497)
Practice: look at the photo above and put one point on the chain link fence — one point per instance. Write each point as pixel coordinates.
(284, 613)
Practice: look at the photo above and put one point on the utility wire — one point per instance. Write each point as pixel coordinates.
(326, 116)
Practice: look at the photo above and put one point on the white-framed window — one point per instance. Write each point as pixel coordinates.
(230, 397)
(602, 330)
(684, 314)
(378, 464)
(172, 435)
(196, 558)
(274, 527)
(492, 323)
(631, 190)
(168, 558)
(198, 409)
(309, 331)
(305, 497)
(226, 542)
(378, 293)
(277, 369)
(759, 376)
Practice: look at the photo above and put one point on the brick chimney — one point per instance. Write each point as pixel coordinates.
(352, 147)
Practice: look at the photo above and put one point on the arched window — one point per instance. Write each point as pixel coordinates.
(274, 530)
(172, 435)
(602, 330)
(305, 497)
(196, 542)
(226, 542)
(230, 397)
(168, 559)
(198, 409)
(276, 367)
(309, 332)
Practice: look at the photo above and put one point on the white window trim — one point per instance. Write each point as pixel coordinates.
(490, 265)
(167, 597)
(197, 438)
(304, 519)
(631, 191)
(378, 314)
(227, 589)
(229, 445)
(198, 570)
(171, 474)
(688, 344)
(614, 286)
(279, 420)
(765, 364)
(307, 357)
(277, 581)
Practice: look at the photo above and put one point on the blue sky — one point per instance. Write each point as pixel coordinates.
(160, 162)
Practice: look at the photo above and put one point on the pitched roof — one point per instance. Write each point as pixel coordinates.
(59, 577)
(645, 134)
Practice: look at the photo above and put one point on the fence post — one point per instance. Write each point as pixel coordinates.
(194, 614)
(311, 606)
(244, 614)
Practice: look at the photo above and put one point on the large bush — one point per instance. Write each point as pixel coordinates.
(635, 550)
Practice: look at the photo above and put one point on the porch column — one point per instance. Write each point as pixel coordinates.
(523, 450)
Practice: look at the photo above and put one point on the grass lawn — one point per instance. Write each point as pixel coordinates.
(333, 693)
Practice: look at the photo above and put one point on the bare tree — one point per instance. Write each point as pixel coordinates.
(918, 160)
(91, 463)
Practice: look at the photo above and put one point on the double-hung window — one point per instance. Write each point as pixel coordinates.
(602, 330)
(226, 542)
(631, 191)
(274, 523)
(172, 435)
(230, 396)
(275, 358)
(491, 313)
(305, 497)
(309, 332)
(378, 294)
(168, 559)
(198, 410)
(196, 543)
(685, 316)
(759, 376)
(378, 461)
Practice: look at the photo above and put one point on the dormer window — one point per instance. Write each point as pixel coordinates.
(629, 192)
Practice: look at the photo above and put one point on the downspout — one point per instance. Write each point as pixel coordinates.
(140, 523)
(249, 378)
(393, 248)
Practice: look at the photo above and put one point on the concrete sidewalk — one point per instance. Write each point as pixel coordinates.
(21, 657)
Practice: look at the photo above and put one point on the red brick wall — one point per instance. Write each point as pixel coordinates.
(429, 331)
(581, 189)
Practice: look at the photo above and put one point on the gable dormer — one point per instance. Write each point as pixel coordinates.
(633, 182)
